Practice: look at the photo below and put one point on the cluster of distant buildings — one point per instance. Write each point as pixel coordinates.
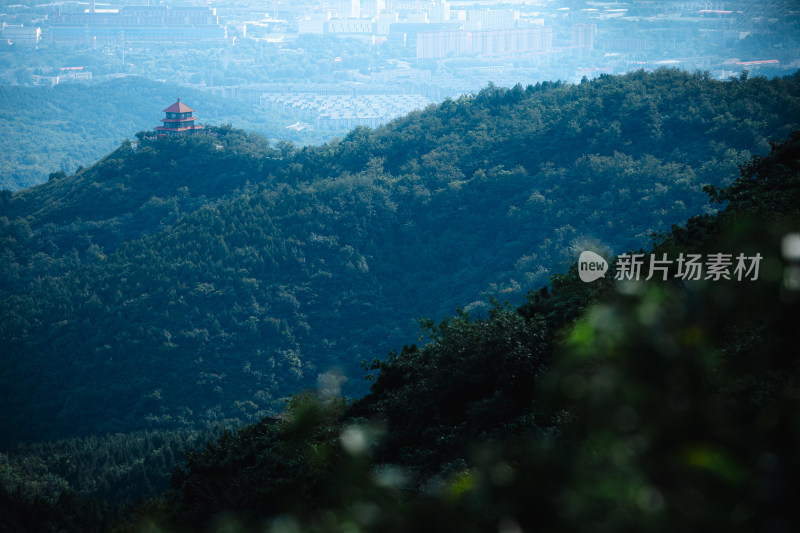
(69, 24)
(433, 28)
(65, 74)
(137, 23)
(550, 38)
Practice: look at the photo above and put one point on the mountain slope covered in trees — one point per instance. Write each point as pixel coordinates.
(205, 278)
(615, 406)
(661, 405)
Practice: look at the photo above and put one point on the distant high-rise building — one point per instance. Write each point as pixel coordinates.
(350, 9)
(316, 23)
(440, 44)
(384, 22)
(370, 9)
(439, 11)
(583, 35)
(28, 36)
(490, 19)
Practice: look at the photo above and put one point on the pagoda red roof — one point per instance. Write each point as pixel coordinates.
(178, 107)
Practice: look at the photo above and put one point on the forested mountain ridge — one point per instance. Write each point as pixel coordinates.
(639, 113)
(208, 277)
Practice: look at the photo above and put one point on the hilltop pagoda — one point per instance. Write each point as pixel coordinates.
(179, 120)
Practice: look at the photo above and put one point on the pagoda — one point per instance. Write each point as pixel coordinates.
(179, 120)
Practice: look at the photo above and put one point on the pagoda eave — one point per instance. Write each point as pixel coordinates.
(179, 130)
(189, 119)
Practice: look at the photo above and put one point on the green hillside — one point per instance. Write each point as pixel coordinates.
(660, 406)
(48, 129)
(613, 406)
(206, 278)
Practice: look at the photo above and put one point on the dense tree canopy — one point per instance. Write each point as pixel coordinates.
(659, 406)
(208, 277)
